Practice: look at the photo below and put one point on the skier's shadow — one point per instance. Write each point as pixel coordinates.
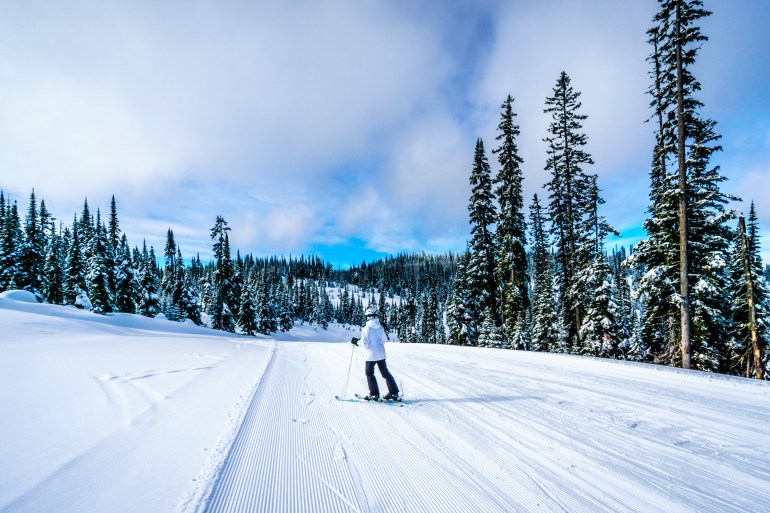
(479, 399)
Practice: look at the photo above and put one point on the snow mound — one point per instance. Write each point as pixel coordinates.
(82, 301)
(20, 296)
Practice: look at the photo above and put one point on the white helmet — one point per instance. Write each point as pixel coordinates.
(371, 311)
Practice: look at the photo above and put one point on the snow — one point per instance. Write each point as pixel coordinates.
(125, 413)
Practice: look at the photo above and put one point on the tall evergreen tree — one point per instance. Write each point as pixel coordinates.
(568, 185)
(113, 233)
(511, 271)
(482, 248)
(685, 254)
(169, 280)
(221, 313)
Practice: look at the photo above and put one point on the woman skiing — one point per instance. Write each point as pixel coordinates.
(373, 342)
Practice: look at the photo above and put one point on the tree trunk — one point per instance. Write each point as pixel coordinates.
(756, 352)
(684, 289)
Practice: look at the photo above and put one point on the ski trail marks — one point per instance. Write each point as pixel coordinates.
(284, 458)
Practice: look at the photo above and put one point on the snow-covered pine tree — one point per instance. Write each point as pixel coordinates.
(658, 255)
(10, 247)
(511, 270)
(544, 326)
(221, 313)
(86, 230)
(32, 251)
(684, 256)
(480, 270)
(149, 303)
(168, 282)
(97, 277)
(247, 314)
(126, 282)
(113, 232)
(709, 237)
(490, 335)
(189, 300)
(568, 185)
(53, 271)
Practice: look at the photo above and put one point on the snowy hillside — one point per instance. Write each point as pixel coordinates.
(122, 413)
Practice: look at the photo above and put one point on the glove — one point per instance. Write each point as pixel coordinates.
(354, 341)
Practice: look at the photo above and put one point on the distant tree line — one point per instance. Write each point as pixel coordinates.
(90, 262)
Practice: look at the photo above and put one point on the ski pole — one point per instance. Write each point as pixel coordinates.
(344, 392)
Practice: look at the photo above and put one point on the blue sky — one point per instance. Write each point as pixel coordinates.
(344, 128)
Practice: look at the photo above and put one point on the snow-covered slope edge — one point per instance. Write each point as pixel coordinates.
(114, 413)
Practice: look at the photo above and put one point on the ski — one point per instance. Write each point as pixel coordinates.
(358, 398)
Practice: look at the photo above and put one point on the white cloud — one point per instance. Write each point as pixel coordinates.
(121, 94)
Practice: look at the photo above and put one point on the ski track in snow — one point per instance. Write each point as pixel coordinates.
(588, 435)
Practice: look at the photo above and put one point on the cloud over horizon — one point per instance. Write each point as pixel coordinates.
(310, 124)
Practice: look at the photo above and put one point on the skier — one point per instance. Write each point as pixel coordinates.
(373, 339)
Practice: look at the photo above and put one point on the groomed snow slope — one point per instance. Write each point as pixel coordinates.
(157, 416)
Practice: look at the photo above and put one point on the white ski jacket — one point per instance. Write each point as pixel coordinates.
(373, 340)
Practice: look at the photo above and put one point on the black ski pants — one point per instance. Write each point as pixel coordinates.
(374, 389)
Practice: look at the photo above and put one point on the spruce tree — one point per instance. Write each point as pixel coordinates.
(126, 282)
(32, 251)
(511, 270)
(490, 336)
(53, 273)
(221, 312)
(10, 248)
(149, 303)
(247, 313)
(113, 233)
(482, 248)
(685, 254)
(97, 276)
(568, 185)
